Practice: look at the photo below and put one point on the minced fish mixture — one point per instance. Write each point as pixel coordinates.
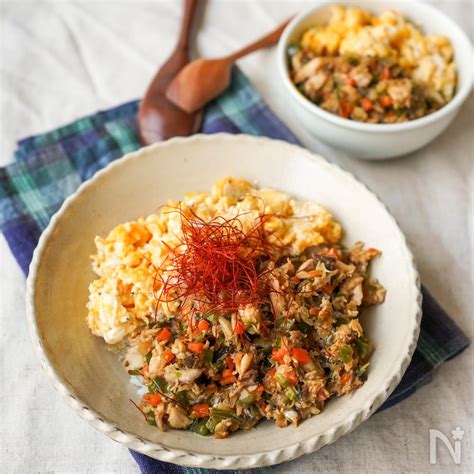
(234, 306)
(374, 69)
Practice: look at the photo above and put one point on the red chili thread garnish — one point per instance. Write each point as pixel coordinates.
(139, 409)
(215, 267)
(172, 400)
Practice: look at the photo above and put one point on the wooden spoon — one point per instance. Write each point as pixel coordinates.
(204, 79)
(158, 118)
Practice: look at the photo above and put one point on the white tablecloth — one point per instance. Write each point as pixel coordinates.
(61, 60)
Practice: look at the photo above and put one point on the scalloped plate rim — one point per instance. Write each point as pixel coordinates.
(189, 458)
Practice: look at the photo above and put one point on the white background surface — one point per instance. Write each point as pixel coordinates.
(60, 60)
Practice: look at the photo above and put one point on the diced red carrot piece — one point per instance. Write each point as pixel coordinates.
(301, 355)
(385, 101)
(154, 399)
(195, 346)
(164, 335)
(201, 410)
(367, 104)
(167, 357)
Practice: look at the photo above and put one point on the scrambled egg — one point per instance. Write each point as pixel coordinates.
(352, 32)
(123, 297)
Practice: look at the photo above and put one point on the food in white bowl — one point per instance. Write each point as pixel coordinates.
(373, 69)
(91, 377)
(235, 306)
(377, 80)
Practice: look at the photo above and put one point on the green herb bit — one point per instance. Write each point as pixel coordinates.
(247, 401)
(180, 328)
(199, 337)
(223, 414)
(291, 393)
(364, 348)
(158, 384)
(148, 357)
(255, 411)
(150, 418)
(345, 353)
(207, 358)
(211, 424)
(182, 398)
(282, 380)
(199, 427)
(212, 317)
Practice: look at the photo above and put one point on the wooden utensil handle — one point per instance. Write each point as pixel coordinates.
(188, 15)
(267, 40)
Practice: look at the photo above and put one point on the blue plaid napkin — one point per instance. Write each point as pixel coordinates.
(50, 167)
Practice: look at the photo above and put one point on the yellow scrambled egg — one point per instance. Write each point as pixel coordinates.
(123, 297)
(355, 32)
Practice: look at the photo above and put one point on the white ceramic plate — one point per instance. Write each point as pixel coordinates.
(91, 378)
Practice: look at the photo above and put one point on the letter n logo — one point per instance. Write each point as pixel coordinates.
(455, 451)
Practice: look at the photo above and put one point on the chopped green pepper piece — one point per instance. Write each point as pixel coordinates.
(223, 414)
(182, 398)
(255, 411)
(282, 380)
(207, 358)
(199, 427)
(211, 424)
(158, 384)
(364, 348)
(212, 317)
(346, 353)
(247, 401)
(150, 418)
(199, 337)
(291, 393)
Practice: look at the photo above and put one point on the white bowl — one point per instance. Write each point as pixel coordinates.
(91, 378)
(375, 141)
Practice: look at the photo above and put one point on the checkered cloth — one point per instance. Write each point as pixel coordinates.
(50, 167)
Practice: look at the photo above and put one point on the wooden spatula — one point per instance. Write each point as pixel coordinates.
(204, 79)
(158, 118)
